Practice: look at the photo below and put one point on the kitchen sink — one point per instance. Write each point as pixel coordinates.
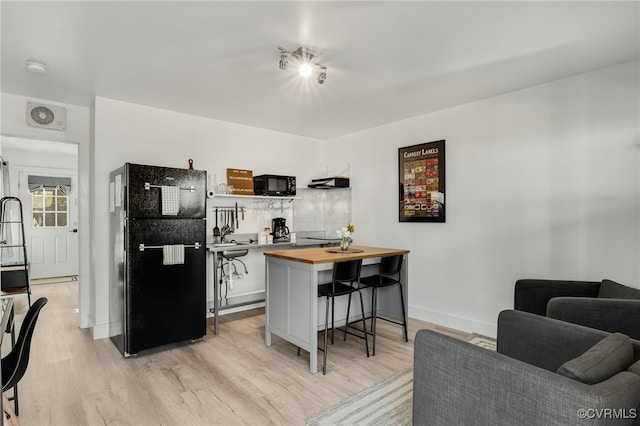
(232, 254)
(231, 244)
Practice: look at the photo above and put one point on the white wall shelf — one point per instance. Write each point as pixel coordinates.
(256, 197)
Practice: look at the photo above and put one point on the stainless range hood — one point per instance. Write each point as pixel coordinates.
(329, 183)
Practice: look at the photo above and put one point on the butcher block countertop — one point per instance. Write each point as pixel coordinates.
(321, 255)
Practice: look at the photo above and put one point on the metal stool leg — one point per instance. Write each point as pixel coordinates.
(346, 324)
(374, 315)
(364, 325)
(404, 315)
(326, 332)
(15, 400)
(333, 326)
(13, 343)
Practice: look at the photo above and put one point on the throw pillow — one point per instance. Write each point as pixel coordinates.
(606, 358)
(613, 290)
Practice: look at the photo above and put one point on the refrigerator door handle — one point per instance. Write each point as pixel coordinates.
(148, 186)
(142, 247)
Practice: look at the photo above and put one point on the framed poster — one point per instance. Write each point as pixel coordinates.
(422, 182)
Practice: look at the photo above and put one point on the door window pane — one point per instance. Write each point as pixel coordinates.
(50, 208)
(37, 204)
(49, 219)
(37, 220)
(62, 219)
(48, 204)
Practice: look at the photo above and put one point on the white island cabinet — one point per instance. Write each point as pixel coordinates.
(292, 278)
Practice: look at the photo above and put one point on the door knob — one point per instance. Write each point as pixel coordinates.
(74, 230)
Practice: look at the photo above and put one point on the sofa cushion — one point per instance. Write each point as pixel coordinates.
(605, 359)
(613, 290)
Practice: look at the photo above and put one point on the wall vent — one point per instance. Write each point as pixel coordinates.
(46, 116)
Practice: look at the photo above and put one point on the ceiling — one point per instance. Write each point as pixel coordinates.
(387, 61)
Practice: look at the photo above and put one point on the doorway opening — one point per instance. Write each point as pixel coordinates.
(44, 176)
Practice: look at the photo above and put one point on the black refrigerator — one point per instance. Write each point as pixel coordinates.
(157, 277)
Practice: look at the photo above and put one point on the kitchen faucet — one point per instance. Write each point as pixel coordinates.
(226, 230)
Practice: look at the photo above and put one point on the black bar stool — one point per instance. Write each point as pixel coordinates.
(345, 281)
(390, 272)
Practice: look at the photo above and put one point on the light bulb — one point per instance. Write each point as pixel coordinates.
(305, 69)
(322, 76)
(283, 62)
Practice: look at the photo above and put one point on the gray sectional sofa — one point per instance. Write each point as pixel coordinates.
(605, 305)
(457, 383)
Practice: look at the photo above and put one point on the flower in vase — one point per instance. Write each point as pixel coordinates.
(345, 234)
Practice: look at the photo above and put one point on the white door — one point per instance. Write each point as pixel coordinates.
(50, 224)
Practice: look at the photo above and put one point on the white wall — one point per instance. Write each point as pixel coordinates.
(542, 182)
(21, 157)
(126, 132)
(13, 122)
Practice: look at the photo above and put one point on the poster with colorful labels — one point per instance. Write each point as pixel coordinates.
(422, 179)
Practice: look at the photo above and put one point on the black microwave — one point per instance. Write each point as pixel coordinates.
(274, 185)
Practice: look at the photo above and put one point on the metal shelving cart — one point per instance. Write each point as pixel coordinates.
(14, 272)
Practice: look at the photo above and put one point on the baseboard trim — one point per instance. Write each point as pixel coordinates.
(100, 331)
(457, 322)
(468, 325)
(86, 321)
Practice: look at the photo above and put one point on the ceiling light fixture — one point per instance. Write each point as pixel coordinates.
(36, 67)
(322, 75)
(283, 62)
(306, 58)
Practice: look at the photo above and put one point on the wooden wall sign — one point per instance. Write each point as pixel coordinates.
(241, 180)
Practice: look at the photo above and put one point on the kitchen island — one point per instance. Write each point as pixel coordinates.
(292, 278)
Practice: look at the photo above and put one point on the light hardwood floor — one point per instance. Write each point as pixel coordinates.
(228, 379)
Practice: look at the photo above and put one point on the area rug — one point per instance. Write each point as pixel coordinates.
(483, 341)
(386, 403)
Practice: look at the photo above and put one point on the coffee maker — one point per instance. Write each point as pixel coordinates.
(280, 231)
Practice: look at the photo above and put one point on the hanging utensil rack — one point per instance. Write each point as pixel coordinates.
(241, 209)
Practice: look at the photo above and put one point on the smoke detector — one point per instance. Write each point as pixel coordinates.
(36, 67)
